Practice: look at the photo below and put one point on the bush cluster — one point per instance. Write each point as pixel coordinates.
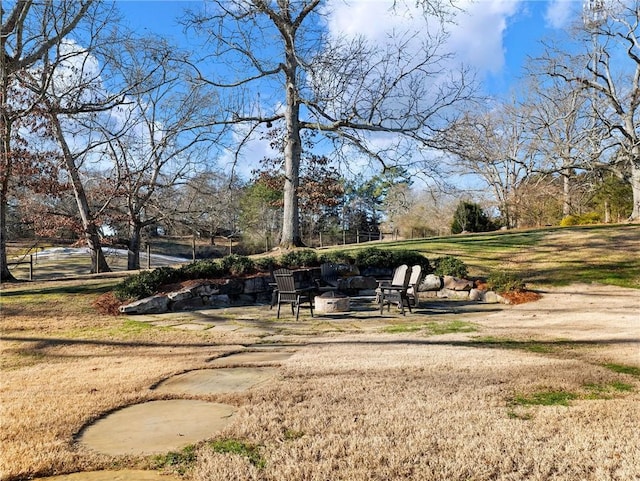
(299, 258)
(145, 283)
(450, 266)
(505, 281)
(583, 219)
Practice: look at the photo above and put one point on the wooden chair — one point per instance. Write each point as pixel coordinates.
(328, 277)
(414, 285)
(396, 291)
(288, 293)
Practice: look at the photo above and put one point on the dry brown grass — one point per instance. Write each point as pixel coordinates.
(353, 403)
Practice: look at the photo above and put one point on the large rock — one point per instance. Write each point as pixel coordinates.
(431, 282)
(254, 285)
(189, 304)
(181, 295)
(457, 284)
(451, 294)
(357, 283)
(148, 305)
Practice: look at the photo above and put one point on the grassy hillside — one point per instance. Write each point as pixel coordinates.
(552, 256)
(555, 256)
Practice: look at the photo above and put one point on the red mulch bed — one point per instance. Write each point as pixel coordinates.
(521, 296)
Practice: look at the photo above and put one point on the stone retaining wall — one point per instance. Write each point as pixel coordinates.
(258, 289)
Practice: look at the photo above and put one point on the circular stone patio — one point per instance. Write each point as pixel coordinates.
(156, 426)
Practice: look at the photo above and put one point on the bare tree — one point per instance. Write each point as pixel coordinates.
(609, 70)
(564, 132)
(31, 31)
(156, 136)
(382, 102)
(495, 145)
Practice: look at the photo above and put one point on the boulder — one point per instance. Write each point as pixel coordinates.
(491, 297)
(476, 295)
(452, 294)
(431, 282)
(190, 304)
(457, 284)
(232, 287)
(148, 305)
(206, 290)
(254, 285)
(181, 295)
(357, 283)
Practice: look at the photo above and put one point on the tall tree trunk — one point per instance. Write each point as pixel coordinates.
(566, 193)
(133, 253)
(91, 234)
(5, 163)
(292, 155)
(635, 185)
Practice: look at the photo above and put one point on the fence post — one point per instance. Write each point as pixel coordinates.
(30, 267)
(148, 256)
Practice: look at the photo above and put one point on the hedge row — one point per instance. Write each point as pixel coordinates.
(146, 283)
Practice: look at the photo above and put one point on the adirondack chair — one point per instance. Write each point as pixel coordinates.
(414, 285)
(289, 294)
(396, 291)
(328, 277)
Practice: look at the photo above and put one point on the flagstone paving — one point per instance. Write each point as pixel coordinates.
(216, 381)
(124, 475)
(156, 426)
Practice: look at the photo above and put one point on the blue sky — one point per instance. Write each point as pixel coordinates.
(494, 36)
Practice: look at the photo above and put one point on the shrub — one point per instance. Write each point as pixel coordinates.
(470, 217)
(584, 219)
(411, 258)
(449, 266)
(299, 258)
(206, 269)
(505, 281)
(374, 257)
(237, 265)
(265, 264)
(145, 283)
(337, 257)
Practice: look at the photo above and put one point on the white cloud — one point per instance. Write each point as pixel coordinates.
(476, 37)
(560, 12)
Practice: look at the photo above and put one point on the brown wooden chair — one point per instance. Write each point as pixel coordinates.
(396, 291)
(288, 293)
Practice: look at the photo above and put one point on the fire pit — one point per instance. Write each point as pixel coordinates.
(331, 302)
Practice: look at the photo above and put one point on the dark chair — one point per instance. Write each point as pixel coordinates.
(414, 285)
(396, 291)
(328, 277)
(288, 293)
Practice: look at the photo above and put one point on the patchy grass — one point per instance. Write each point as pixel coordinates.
(540, 347)
(240, 448)
(544, 398)
(432, 328)
(623, 369)
(178, 461)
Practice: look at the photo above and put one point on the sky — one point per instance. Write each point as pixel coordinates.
(493, 36)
